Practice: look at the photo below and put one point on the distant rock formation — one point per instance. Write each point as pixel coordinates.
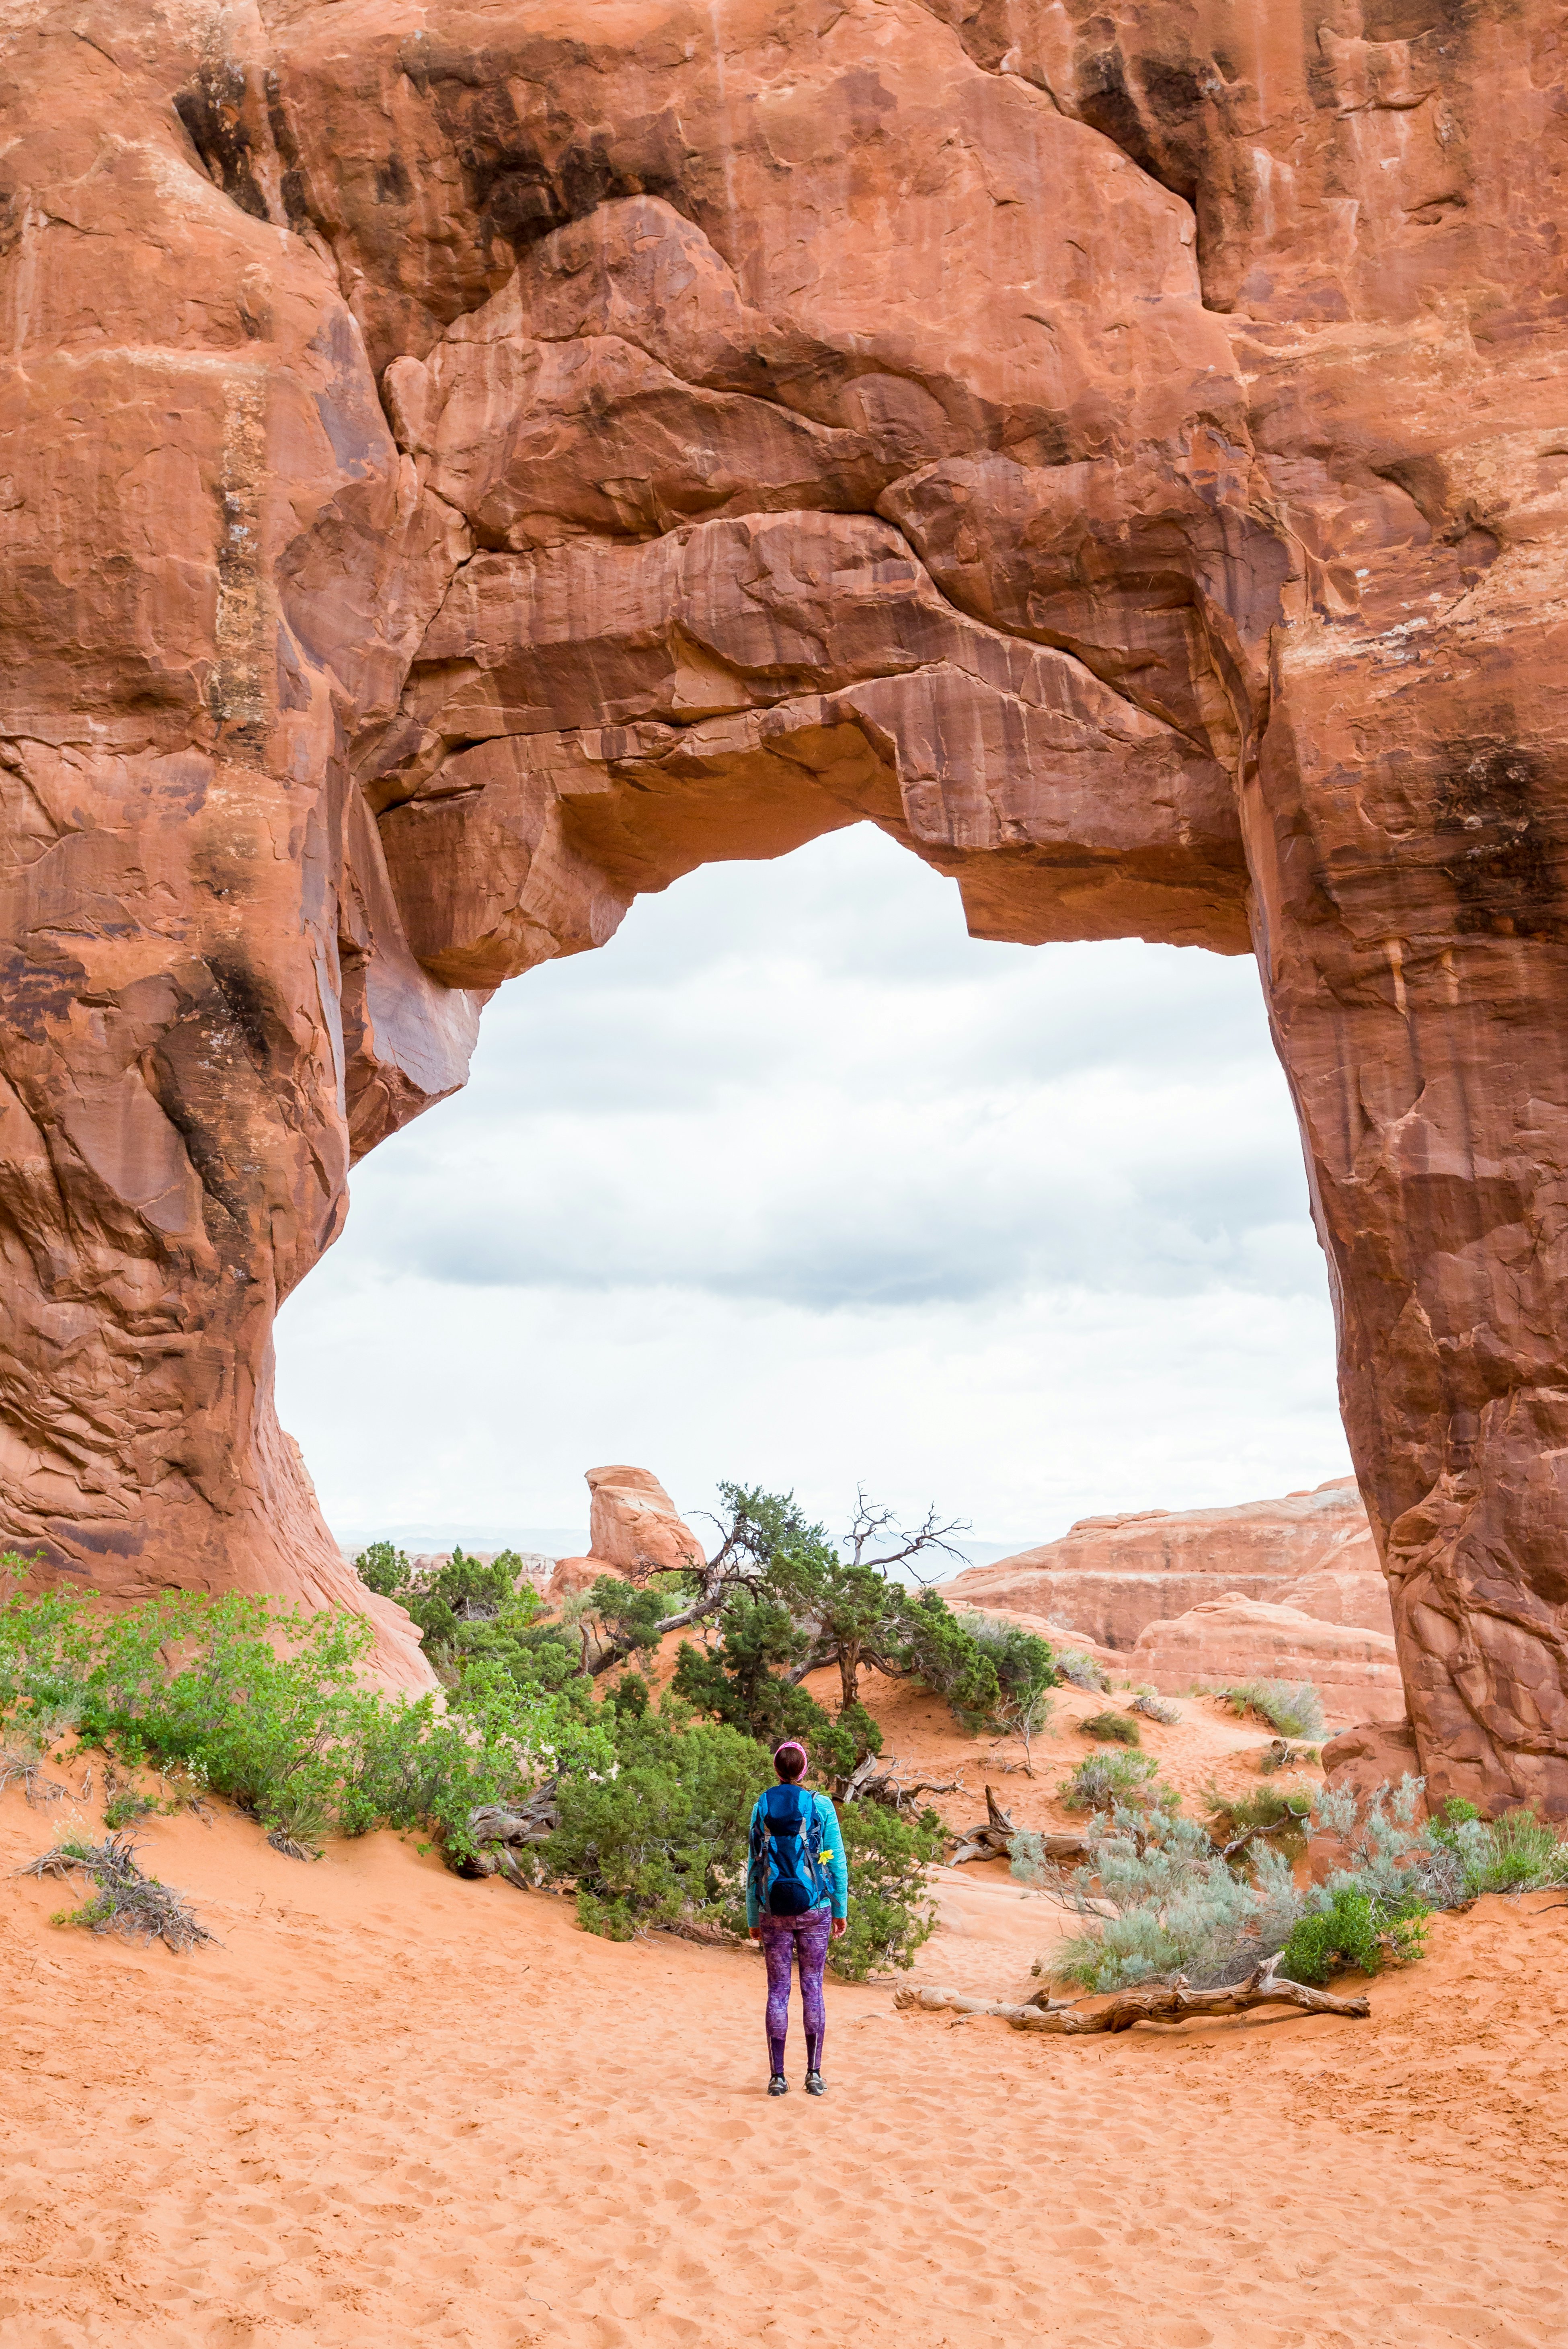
(634, 1529)
(1108, 1577)
(1230, 1637)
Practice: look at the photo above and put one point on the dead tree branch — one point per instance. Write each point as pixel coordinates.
(875, 1779)
(993, 1839)
(1167, 2003)
(499, 1830)
(873, 1523)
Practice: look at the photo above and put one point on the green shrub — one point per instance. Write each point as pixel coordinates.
(1105, 1779)
(126, 1807)
(659, 1838)
(1179, 1909)
(1517, 1853)
(932, 1645)
(1293, 1708)
(891, 1909)
(384, 1570)
(1024, 1664)
(265, 1707)
(793, 1602)
(740, 1679)
(1112, 1728)
(1358, 1932)
(1269, 1807)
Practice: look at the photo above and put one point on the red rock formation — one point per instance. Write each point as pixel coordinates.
(1230, 1639)
(464, 464)
(1110, 1576)
(1374, 1753)
(634, 1529)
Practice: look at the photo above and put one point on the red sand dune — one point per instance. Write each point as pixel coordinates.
(396, 2107)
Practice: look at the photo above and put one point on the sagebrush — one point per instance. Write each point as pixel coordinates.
(1182, 1907)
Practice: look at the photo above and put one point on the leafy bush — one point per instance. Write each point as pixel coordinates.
(659, 1838)
(124, 1807)
(791, 1603)
(1293, 1708)
(931, 1645)
(1024, 1664)
(442, 1598)
(1112, 1728)
(512, 1647)
(891, 1909)
(264, 1706)
(1357, 1930)
(1269, 1808)
(1517, 1853)
(1180, 1908)
(384, 1570)
(739, 1679)
(1105, 1779)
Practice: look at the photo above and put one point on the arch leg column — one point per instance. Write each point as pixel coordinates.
(1407, 854)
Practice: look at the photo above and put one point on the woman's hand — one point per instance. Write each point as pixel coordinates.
(756, 1932)
(840, 1927)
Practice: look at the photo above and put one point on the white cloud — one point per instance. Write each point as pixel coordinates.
(795, 1182)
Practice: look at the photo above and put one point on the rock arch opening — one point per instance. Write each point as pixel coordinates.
(794, 1180)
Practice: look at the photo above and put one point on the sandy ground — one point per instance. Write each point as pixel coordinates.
(396, 2107)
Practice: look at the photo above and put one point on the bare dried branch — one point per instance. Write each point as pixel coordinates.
(1167, 2003)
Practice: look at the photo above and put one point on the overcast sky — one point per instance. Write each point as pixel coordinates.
(796, 1183)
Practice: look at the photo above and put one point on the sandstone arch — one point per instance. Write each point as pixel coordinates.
(464, 463)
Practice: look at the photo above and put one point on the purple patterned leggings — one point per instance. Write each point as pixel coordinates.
(806, 1938)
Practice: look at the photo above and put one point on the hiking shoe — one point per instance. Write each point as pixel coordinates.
(815, 2085)
(778, 2086)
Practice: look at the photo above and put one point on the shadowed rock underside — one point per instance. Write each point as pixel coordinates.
(463, 465)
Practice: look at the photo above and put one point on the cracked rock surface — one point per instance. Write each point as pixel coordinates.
(464, 464)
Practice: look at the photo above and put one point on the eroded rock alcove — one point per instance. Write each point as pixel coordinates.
(462, 465)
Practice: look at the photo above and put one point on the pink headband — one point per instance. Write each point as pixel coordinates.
(792, 1745)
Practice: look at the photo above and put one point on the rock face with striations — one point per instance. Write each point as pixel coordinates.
(1110, 1576)
(466, 461)
(1228, 1639)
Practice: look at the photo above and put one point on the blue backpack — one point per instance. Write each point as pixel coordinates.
(790, 1876)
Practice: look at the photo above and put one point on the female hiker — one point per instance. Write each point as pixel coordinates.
(796, 1896)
